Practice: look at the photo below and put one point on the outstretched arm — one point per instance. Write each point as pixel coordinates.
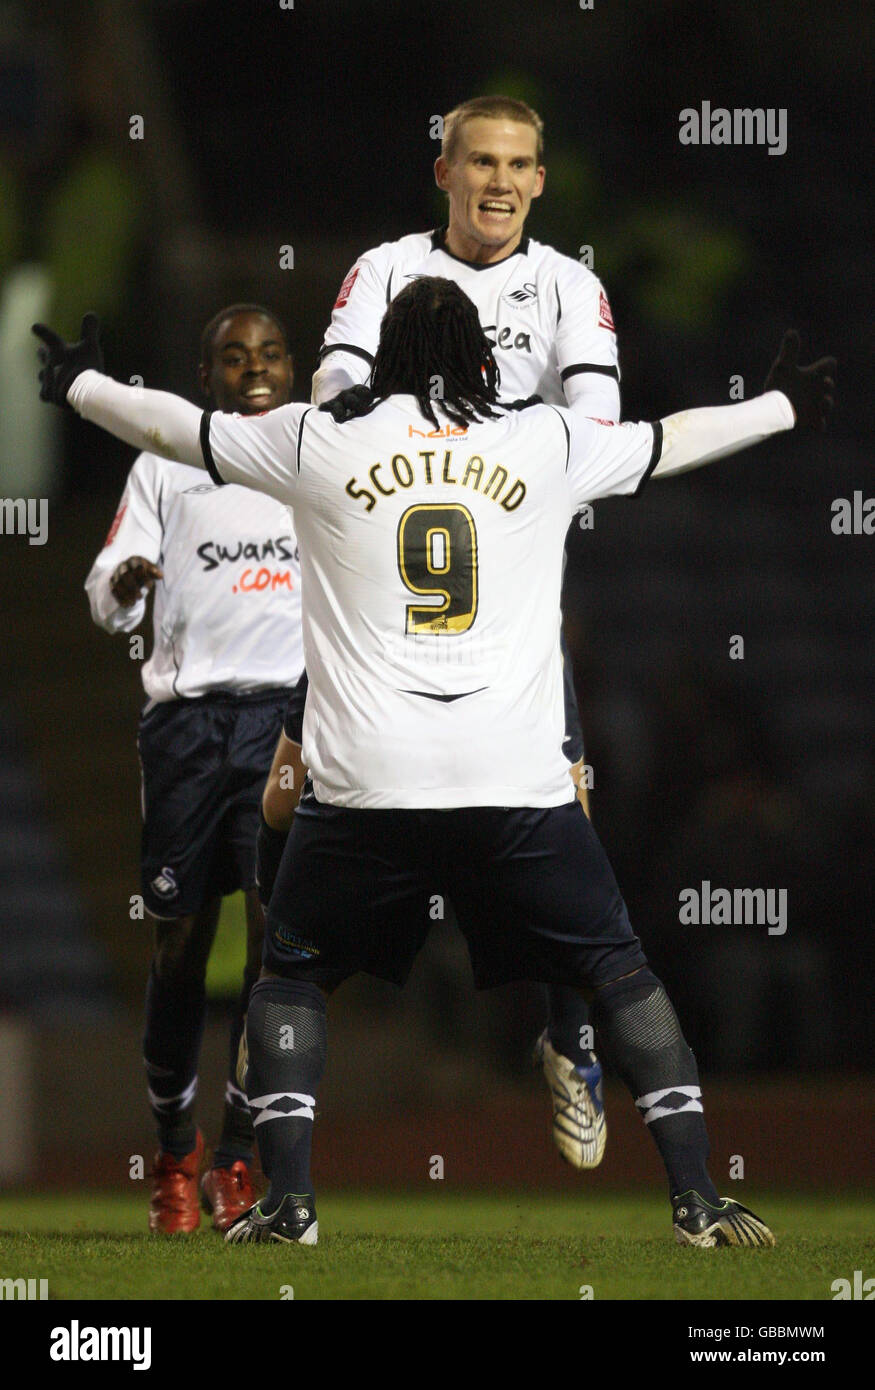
(257, 451)
(604, 459)
(793, 395)
(153, 421)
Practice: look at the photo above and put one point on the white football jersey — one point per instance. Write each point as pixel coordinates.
(227, 614)
(546, 315)
(432, 570)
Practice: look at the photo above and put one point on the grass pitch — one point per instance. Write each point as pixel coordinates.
(437, 1245)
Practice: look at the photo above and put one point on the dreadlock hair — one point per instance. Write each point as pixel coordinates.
(433, 347)
(208, 337)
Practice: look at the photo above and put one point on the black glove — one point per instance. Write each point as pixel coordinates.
(349, 404)
(808, 389)
(62, 362)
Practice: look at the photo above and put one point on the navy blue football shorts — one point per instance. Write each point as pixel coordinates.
(532, 889)
(204, 764)
(572, 743)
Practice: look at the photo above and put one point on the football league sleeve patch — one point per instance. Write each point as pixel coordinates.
(586, 344)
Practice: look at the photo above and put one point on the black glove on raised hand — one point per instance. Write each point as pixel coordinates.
(62, 362)
(808, 389)
(349, 404)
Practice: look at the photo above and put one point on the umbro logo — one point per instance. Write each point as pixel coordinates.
(201, 487)
(525, 295)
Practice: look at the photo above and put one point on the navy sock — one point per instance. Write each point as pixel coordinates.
(641, 1035)
(285, 1030)
(237, 1137)
(568, 1015)
(171, 1045)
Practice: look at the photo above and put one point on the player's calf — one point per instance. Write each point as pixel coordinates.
(640, 1033)
(237, 1138)
(285, 1029)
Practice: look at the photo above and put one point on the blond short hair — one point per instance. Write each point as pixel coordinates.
(489, 108)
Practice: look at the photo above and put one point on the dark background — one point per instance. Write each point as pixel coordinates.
(310, 127)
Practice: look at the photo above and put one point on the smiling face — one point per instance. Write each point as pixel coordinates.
(491, 183)
(250, 369)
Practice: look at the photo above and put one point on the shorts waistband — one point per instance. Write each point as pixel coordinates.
(273, 695)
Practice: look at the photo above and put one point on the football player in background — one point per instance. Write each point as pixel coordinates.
(410, 791)
(226, 621)
(549, 323)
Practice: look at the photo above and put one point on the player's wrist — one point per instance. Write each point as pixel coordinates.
(783, 403)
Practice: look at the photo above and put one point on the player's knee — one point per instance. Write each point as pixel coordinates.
(179, 959)
(287, 1015)
(627, 989)
(634, 1018)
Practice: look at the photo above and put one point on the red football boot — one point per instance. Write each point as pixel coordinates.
(174, 1206)
(227, 1193)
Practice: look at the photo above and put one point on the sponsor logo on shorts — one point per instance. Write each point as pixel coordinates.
(296, 945)
(164, 884)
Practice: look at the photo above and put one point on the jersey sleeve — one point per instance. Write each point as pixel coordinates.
(258, 451)
(586, 343)
(606, 460)
(354, 330)
(137, 529)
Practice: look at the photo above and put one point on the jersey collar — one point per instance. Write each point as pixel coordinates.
(438, 243)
